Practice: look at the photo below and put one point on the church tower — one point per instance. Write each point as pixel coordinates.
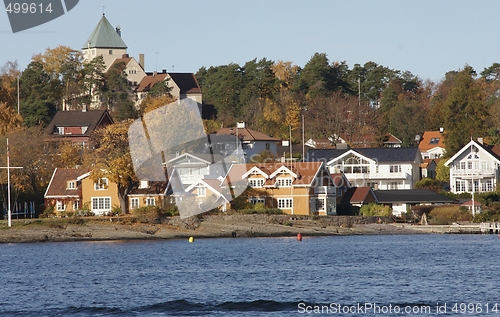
(106, 41)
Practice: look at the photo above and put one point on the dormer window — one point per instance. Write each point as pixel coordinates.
(60, 130)
(101, 184)
(84, 129)
(71, 185)
(202, 191)
(256, 182)
(144, 184)
(284, 182)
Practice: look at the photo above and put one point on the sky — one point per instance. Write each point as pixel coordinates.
(426, 37)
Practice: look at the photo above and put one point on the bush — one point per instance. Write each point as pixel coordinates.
(48, 212)
(447, 215)
(491, 215)
(375, 210)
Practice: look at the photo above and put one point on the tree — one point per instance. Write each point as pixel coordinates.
(9, 73)
(93, 79)
(117, 93)
(442, 172)
(28, 150)
(9, 119)
(465, 111)
(40, 95)
(110, 158)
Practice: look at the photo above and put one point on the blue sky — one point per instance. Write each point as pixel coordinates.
(425, 37)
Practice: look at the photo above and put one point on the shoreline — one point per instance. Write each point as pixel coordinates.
(212, 226)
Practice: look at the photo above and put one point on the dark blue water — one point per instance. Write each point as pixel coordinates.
(415, 274)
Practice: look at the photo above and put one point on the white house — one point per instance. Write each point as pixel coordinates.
(432, 144)
(476, 164)
(378, 168)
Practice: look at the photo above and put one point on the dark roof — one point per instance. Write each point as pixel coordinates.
(186, 82)
(154, 188)
(104, 36)
(91, 118)
(402, 154)
(492, 149)
(411, 196)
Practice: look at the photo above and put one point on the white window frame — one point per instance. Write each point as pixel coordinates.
(134, 203)
(395, 169)
(256, 182)
(71, 185)
(202, 191)
(101, 184)
(284, 182)
(60, 206)
(101, 204)
(76, 204)
(285, 203)
(150, 201)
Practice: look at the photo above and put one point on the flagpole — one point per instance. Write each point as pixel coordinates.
(9, 214)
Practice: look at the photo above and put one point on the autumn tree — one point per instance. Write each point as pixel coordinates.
(28, 150)
(9, 74)
(109, 157)
(117, 93)
(10, 120)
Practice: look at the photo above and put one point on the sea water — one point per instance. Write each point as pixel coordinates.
(382, 275)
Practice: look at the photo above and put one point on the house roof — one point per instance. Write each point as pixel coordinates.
(428, 162)
(493, 150)
(186, 82)
(153, 189)
(91, 119)
(411, 196)
(58, 186)
(469, 203)
(382, 155)
(149, 81)
(306, 172)
(339, 180)
(359, 195)
(104, 35)
(430, 140)
(246, 134)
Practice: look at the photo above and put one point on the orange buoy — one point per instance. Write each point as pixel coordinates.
(299, 237)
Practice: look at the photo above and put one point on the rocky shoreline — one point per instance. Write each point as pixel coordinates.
(213, 226)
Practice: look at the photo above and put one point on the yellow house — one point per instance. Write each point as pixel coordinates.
(300, 188)
(100, 196)
(64, 191)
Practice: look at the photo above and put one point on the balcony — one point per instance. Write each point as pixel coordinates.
(374, 176)
(479, 173)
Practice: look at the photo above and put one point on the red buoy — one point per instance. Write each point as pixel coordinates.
(299, 237)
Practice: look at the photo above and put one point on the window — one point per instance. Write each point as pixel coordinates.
(150, 201)
(395, 169)
(71, 185)
(101, 184)
(460, 186)
(60, 130)
(76, 205)
(84, 129)
(285, 203)
(101, 204)
(110, 52)
(489, 185)
(393, 185)
(284, 182)
(60, 206)
(320, 204)
(434, 141)
(134, 203)
(256, 182)
(202, 191)
(256, 200)
(268, 146)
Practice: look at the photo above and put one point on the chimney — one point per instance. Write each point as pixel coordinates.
(119, 31)
(164, 71)
(141, 60)
(480, 140)
(155, 73)
(441, 130)
(240, 125)
(124, 55)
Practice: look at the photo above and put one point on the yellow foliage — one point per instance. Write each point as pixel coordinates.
(53, 59)
(9, 120)
(151, 103)
(285, 71)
